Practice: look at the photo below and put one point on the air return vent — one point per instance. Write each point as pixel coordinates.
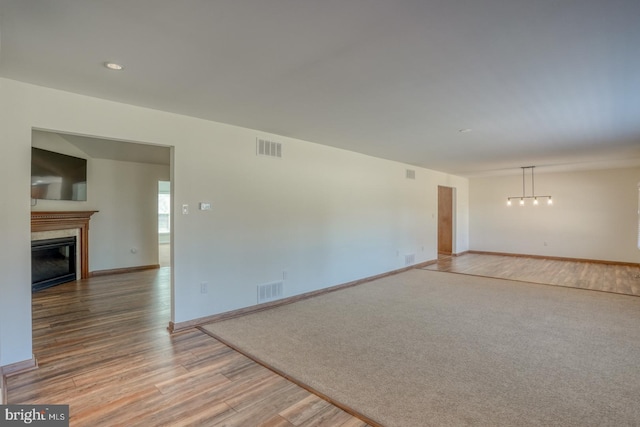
(268, 148)
(270, 292)
(411, 174)
(409, 259)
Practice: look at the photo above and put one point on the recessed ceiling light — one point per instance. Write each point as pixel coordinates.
(113, 66)
(467, 130)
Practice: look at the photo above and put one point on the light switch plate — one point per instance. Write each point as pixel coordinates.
(185, 209)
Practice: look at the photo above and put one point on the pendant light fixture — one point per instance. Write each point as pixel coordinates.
(533, 195)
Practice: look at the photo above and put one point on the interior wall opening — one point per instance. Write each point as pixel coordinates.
(164, 223)
(124, 196)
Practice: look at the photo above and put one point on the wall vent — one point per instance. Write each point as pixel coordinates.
(268, 148)
(411, 174)
(270, 292)
(409, 259)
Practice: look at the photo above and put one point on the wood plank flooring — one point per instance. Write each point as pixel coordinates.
(620, 279)
(103, 348)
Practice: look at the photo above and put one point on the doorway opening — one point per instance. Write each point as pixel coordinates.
(124, 188)
(164, 223)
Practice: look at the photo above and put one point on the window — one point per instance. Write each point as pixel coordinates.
(164, 212)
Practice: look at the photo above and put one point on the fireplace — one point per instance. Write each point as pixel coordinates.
(49, 225)
(53, 261)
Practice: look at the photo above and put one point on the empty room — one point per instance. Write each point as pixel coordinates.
(357, 213)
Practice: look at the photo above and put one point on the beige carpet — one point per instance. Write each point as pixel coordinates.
(426, 348)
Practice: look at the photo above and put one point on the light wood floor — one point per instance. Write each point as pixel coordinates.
(619, 279)
(103, 348)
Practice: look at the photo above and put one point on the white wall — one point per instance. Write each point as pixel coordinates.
(324, 215)
(15, 258)
(594, 215)
(124, 232)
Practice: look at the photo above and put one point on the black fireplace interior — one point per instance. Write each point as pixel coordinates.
(53, 261)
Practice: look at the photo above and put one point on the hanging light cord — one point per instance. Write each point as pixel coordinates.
(533, 191)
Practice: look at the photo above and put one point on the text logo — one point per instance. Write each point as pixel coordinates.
(34, 415)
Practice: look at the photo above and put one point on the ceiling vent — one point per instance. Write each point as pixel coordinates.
(268, 148)
(411, 174)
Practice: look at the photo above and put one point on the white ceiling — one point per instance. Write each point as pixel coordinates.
(98, 148)
(552, 83)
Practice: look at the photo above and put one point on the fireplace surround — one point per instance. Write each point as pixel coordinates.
(69, 223)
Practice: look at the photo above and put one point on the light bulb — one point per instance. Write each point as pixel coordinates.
(113, 66)
(521, 202)
(549, 202)
(508, 202)
(535, 200)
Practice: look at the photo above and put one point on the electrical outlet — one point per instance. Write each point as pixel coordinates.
(204, 287)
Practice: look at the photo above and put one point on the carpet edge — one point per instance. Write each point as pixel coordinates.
(292, 379)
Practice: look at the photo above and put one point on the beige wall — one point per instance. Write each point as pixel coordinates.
(594, 215)
(124, 233)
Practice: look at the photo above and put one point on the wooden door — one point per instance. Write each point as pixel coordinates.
(445, 220)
